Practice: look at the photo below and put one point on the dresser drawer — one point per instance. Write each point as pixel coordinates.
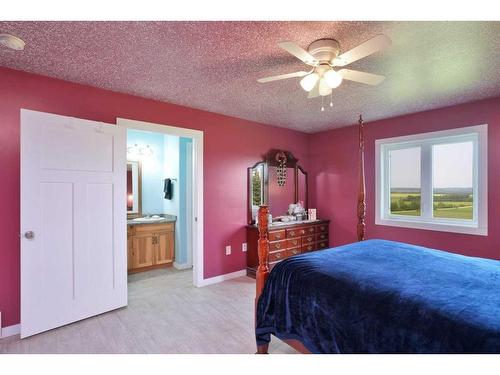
(322, 245)
(322, 228)
(321, 237)
(277, 245)
(310, 229)
(277, 235)
(293, 242)
(308, 247)
(297, 232)
(277, 255)
(293, 251)
(308, 239)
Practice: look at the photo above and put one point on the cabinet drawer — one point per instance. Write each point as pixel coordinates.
(291, 233)
(277, 235)
(277, 245)
(322, 245)
(277, 255)
(308, 240)
(140, 228)
(310, 230)
(322, 228)
(322, 236)
(294, 251)
(308, 247)
(293, 242)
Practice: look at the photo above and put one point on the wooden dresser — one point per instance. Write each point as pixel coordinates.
(150, 246)
(287, 240)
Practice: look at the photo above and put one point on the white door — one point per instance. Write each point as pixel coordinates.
(73, 220)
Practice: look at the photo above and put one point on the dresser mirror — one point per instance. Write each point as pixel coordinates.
(277, 181)
(134, 189)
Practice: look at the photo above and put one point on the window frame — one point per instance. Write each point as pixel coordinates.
(478, 134)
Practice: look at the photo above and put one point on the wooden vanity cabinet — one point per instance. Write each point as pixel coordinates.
(150, 246)
(286, 241)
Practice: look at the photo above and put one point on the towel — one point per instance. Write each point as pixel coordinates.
(168, 188)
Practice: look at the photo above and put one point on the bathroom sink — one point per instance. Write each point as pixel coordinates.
(147, 219)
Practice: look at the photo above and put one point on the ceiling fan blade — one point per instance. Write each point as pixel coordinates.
(282, 76)
(372, 45)
(314, 93)
(362, 77)
(299, 52)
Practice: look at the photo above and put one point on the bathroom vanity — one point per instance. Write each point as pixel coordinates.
(150, 245)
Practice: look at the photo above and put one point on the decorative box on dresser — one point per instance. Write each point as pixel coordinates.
(286, 240)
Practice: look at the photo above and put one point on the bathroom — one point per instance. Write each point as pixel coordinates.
(159, 202)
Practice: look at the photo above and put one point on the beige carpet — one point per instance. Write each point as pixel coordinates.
(166, 314)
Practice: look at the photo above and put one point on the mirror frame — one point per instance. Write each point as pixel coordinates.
(133, 215)
(270, 160)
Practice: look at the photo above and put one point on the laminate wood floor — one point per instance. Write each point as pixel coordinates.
(165, 314)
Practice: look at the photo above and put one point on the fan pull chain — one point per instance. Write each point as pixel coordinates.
(322, 106)
(331, 98)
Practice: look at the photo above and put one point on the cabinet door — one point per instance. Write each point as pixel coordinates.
(143, 254)
(164, 248)
(130, 253)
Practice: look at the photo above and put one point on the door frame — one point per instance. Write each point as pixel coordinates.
(197, 184)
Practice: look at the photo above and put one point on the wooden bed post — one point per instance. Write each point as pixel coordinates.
(262, 251)
(362, 190)
(263, 268)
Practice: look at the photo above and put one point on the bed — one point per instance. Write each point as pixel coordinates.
(377, 296)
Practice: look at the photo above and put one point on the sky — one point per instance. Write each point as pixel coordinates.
(452, 166)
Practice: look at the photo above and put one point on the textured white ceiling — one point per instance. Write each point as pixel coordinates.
(214, 65)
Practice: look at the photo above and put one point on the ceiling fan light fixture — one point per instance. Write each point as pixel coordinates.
(324, 88)
(12, 42)
(332, 79)
(309, 81)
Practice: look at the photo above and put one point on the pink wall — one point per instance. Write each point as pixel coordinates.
(334, 170)
(230, 146)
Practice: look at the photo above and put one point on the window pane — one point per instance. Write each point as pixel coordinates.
(452, 181)
(405, 181)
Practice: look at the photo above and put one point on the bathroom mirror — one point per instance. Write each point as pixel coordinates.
(134, 189)
(268, 184)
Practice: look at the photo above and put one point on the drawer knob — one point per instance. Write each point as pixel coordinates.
(295, 251)
(278, 245)
(278, 236)
(278, 255)
(309, 239)
(294, 242)
(292, 233)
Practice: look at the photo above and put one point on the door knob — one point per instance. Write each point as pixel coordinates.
(29, 235)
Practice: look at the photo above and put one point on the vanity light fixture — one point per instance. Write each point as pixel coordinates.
(140, 151)
(12, 42)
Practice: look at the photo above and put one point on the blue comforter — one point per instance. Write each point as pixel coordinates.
(381, 296)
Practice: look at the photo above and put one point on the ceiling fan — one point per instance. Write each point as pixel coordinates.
(322, 56)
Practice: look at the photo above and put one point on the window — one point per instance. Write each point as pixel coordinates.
(435, 181)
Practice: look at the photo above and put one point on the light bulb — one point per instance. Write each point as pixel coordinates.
(12, 42)
(324, 89)
(332, 79)
(309, 81)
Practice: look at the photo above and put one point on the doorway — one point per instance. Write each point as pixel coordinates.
(189, 193)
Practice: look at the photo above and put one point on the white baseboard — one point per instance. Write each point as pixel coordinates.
(182, 266)
(10, 331)
(220, 278)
